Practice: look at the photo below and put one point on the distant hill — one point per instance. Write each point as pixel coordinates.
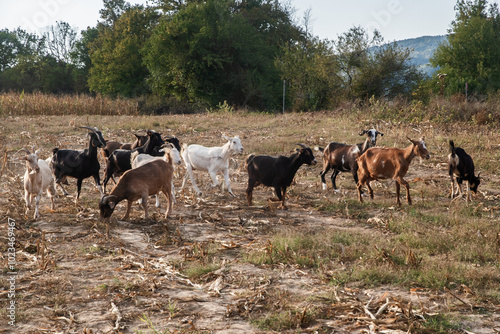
(422, 49)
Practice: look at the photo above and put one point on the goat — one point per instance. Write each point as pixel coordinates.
(119, 161)
(211, 159)
(171, 153)
(389, 163)
(79, 164)
(460, 168)
(342, 157)
(37, 179)
(140, 140)
(112, 146)
(139, 183)
(276, 172)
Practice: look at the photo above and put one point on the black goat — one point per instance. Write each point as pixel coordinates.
(140, 140)
(342, 157)
(276, 172)
(79, 164)
(460, 168)
(119, 161)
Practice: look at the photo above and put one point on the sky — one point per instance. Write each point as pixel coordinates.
(395, 19)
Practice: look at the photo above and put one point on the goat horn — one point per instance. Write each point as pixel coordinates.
(301, 145)
(24, 150)
(412, 141)
(89, 128)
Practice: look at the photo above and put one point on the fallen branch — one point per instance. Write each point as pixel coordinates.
(458, 298)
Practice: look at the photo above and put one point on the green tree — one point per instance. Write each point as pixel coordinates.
(117, 64)
(472, 51)
(216, 50)
(367, 68)
(309, 69)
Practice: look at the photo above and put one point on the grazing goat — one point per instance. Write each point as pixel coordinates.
(342, 157)
(140, 183)
(389, 163)
(119, 161)
(460, 168)
(79, 164)
(37, 179)
(170, 153)
(211, 159)
(276, 172)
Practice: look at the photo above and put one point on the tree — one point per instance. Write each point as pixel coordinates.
(309, 69)
(220, 50)
(117, 64)
(367, 68)
(60, 42)
(473, 48)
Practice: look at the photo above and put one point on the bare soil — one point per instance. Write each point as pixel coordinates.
(77, 274)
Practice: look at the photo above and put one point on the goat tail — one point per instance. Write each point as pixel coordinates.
(452, 148)
(55, 150)
(249, 158)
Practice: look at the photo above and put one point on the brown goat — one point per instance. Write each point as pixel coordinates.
(140, 183)
(389, 163)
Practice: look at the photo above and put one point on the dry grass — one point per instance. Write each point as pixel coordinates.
(21, 104)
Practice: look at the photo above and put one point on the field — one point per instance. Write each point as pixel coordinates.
(327, 265)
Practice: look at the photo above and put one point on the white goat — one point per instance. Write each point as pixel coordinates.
(211, 159)
(170, 153)
(37, 179)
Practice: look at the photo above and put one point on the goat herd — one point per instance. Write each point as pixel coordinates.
(146, 168)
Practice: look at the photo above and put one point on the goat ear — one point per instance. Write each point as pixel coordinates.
(38, 151)
(381, 134)
(479, 175)
(363, 132)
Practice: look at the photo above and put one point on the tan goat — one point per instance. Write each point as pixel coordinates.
(389, 163)
(140, 183)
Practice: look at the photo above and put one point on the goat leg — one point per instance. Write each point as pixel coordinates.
(360, 198)
(127, 213)
(283, 206)
(145, 206)
(226, 179)
(37, 203)
(334, 177)
(322, 176)
(249, 193)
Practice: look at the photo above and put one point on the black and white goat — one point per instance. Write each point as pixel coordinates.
(460, 168)
(120, 160)
(342, 157)
(37, 179)
(79, 164)
(276, 172)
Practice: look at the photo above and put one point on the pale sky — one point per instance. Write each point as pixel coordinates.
(395, 19)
